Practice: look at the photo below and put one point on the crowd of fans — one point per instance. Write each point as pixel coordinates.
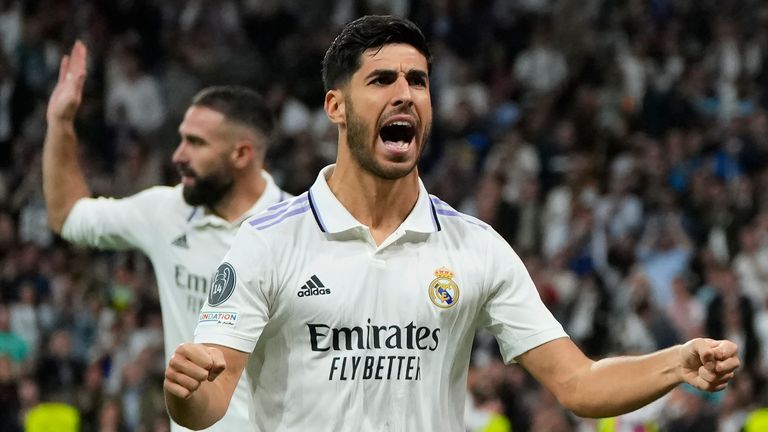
(621, 147)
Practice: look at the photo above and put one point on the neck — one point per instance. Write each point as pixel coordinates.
(380, 204)
(245, 191)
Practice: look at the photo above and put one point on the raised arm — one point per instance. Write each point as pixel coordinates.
(63, 180)
(618, 385)
(199, 382)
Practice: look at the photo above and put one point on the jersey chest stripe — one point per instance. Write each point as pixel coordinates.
(280, 212)
(284, 216)
(454, 213)
(281, 202)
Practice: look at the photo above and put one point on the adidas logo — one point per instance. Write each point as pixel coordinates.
(313, 287)
(181, 242)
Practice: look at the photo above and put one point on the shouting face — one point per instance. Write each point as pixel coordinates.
(388, 111)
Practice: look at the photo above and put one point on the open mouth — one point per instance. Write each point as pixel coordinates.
(187, 175)
(398, 133)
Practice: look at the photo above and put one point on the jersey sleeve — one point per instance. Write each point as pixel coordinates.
(514, 312)
(110, 223)
(240, 296)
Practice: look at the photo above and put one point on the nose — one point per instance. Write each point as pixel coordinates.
(402, 89)
(179, 153)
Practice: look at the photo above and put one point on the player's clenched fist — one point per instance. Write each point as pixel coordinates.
(709, 364)
(190, 365)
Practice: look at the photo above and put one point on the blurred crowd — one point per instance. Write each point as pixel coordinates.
(620, 146)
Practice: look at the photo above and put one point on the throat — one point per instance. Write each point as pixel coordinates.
(380, 204)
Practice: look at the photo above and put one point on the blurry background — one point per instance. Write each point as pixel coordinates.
(621, 147)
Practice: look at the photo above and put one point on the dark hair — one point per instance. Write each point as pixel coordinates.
(238, 104)
(343, 57)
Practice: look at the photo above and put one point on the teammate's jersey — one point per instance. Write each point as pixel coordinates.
(348, 336)
(184, 243)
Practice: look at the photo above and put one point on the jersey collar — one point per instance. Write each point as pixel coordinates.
(272, 194)
(332, 217)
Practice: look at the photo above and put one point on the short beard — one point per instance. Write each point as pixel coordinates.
(208, 191)
(358, 134)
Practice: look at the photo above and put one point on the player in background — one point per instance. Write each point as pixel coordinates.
(365, 320)
(184, 230)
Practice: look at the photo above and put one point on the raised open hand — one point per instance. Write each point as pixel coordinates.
(68, 93)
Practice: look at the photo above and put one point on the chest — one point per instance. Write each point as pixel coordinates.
(187, 261)
(352, 285)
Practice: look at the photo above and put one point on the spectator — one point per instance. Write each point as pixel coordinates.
(59, 373)
(133, 95)
(11, 344)
(10, 406)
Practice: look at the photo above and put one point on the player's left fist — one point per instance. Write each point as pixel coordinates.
(709, 364)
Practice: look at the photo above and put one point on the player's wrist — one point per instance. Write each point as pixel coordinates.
(61, 123)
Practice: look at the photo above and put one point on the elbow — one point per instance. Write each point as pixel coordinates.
(585, 404)
(571, 403)
(592, 406)
(587, 412)
(584, 410)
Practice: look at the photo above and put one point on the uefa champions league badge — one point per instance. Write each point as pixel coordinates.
(223, 285)
(443, 291)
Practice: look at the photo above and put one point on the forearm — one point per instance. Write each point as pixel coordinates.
(203, 408)
(63, 180)
(619, 385)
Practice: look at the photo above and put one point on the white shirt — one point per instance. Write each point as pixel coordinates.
(184, 243)
(348, 336)
(141, 101)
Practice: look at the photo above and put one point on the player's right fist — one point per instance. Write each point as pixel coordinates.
(190, 365)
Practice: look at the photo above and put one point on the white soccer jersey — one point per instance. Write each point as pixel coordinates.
(184, 243)
(348, 336)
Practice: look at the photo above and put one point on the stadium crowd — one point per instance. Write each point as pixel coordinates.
(621, 147)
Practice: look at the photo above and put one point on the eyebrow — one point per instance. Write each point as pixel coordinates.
(191, 137)
(413, 73)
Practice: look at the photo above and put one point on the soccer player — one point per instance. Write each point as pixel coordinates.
(363, 320)
(184, 230)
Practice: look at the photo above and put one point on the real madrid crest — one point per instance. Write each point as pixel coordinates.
(443, 291)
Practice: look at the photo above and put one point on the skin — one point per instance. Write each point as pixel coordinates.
(211, 147)
(64, 186)
(379, 186)
(219, 155)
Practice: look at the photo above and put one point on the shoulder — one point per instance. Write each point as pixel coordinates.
(158, 202)
(163, 198)
(452, 219)
(283, 215)
(467, 232)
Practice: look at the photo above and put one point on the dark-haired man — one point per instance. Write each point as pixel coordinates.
(184, 230)
(365, 320)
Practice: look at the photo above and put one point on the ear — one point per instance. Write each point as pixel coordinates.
(334, 106)
(243, 153)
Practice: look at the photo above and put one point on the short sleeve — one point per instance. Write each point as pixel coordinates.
(109, 223)
(514, 312)
(240, 296)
